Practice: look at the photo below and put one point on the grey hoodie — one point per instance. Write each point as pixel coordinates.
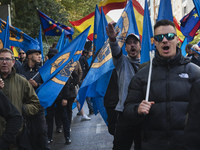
(125, 72)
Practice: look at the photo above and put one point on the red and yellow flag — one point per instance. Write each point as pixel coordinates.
(178, 30)
(16, 54)
(109, 5)
(88, 20)
(139, 15)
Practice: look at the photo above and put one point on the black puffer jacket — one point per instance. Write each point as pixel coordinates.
(171, 82)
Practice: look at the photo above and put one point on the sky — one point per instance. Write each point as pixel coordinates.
(115, 14)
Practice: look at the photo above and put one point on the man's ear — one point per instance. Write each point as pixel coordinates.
(13, 61)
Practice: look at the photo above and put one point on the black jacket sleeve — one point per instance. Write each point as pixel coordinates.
(14, 121)
(192, 131)
(68, 90)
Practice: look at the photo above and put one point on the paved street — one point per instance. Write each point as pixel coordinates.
(85, 135)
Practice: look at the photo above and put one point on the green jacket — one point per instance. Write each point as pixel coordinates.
(21, 93)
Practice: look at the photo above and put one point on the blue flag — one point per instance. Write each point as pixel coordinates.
(97, 79)
(58, 69)
(66, 42)
(147, 36)
(127, 18)
(54, 28)
(98, 105)
(190, 23)
(101, 34)
(89, 60)
(183, 47)
(165, 10)
(18, 38)
(60, 44)
(5, 35)
(96, 24)
(197, 5)
(41, 43)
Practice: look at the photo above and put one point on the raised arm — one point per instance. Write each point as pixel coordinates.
(112, 34)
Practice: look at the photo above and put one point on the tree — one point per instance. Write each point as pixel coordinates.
(77, 9)
(27, 19)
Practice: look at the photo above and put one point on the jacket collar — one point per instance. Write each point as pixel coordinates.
(177, 59)
(27, 68)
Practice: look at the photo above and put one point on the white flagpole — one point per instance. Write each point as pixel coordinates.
(35, 75)
(151, 53)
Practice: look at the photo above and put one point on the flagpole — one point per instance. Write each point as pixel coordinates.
(46, 39)
(152, 12)
(35, 75)
(151, 54)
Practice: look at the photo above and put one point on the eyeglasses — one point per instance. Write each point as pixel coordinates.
(21, 53)
(5, 59)
(168, 36)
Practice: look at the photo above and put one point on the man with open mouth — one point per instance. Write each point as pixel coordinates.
(163, 116)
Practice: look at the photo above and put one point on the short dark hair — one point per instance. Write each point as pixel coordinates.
(189, 46)
(52, 52)
(9, 51)
(164, 22)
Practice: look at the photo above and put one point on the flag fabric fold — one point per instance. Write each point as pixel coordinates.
(183, 47)
(6, 35)
(165, 10)
(147, 37)
(58, 69)
(18, 38)
(96, 24)
(190, 23)
(61, 42)
(101, 31)
(53, 28)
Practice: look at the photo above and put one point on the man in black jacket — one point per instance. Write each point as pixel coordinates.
(85, 68)
(38, 121)
(13, 119)
(30, 68)
(163, 117)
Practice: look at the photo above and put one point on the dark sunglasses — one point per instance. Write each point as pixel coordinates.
(168, 36)
(21, 53)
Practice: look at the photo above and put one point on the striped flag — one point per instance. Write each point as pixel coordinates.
(109, 5)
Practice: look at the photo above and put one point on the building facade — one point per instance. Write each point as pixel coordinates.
(179, 7)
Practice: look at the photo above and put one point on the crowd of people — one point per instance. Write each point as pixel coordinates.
(30, 125)
(168, 120)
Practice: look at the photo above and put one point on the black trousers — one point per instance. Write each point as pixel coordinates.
(125, 134)
(112, 119)
(65, 114)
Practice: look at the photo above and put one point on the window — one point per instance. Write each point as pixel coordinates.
(184, 10)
